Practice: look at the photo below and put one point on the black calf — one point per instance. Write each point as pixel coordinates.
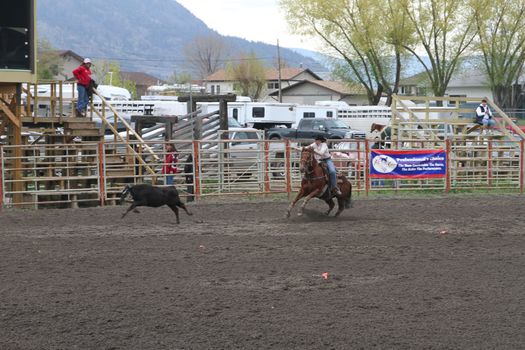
(151, 196)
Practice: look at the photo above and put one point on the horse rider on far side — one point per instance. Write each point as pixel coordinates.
(322, 154)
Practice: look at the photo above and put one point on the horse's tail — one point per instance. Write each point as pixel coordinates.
(348, 201)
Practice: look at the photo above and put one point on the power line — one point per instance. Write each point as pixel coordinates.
(169, 60)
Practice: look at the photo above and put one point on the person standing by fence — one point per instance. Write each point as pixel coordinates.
(170, 161)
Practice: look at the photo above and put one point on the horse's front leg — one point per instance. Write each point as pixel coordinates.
(296, 199)
(307, 199)
(331, 206)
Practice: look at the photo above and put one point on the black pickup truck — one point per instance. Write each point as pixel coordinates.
(310, 128)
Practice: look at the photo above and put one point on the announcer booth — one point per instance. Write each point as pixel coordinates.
(17, 41)
(17, 66)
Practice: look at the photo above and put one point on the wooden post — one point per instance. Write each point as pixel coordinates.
(197, 126)
(168, 131)
(196, 168)
(223, 118)
(393, 129)
(288, 160)
(35, 102)
(28, 101)
(18, 185)
(448, 165)
(101, 173)
(52, 100)
(61, 99)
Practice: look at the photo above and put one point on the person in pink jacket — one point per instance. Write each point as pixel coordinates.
(170, 160)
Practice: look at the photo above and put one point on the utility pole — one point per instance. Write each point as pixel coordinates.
(279, 70)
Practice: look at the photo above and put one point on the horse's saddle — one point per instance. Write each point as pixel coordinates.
(327, 175)
(325, 171)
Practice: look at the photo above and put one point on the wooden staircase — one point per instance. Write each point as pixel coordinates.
(64, 130)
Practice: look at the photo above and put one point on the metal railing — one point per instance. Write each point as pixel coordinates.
(51, 174)
(69, 175)
(442, 116)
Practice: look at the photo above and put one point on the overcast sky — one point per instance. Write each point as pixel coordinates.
(256, 20)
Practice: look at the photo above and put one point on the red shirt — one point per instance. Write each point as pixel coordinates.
(83, 75)
(169, 166)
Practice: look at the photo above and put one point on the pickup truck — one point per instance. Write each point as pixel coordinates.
(310, 128)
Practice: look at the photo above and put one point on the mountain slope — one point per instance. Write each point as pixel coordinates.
(141, 35)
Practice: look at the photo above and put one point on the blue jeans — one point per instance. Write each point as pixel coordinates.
(169, 179)
(332, 172)
(489, 122)
(83, 99)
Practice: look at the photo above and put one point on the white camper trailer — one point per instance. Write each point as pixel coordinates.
(261, 115)
(314, 111)
(360, 117)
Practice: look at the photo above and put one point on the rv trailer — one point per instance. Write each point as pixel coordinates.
(262, 116)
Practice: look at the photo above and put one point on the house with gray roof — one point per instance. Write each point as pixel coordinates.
(310, 91)
(468, 83)
(220, 83)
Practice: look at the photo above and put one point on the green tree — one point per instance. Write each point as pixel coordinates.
(50, 64)
(108, 73)
(179, 78)
(205, 55)
(369, 35)
(500, 26)
(249, 75)
(444, 30)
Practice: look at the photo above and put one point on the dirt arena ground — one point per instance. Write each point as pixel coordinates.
(402, 273)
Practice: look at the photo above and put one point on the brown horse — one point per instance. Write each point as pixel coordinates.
(384, 133)
(315, 183)
(377, 127)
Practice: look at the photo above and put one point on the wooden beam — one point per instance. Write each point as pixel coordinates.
(208, 98)
(123, 121)
(12, 117)
(506, 118)
(126, 143)
(223, 119)
(155, 119)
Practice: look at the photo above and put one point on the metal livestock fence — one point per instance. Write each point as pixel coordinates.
(82, 174)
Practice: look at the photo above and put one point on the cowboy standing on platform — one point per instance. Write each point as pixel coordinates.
(83, 76)
(322, 154)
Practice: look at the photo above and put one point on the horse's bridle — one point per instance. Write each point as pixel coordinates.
(308, 163)
(309, 168)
